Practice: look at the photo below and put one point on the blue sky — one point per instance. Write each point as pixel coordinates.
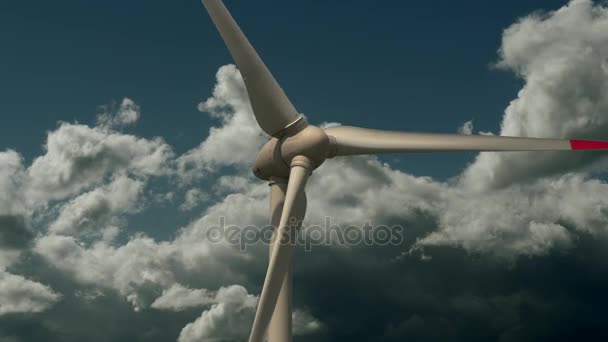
(104, 222)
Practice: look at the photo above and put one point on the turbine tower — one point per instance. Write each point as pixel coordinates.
(297, 148)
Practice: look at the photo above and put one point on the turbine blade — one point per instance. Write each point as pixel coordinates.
(279, 328)
(271, 107)
(357, 141)
(292, 215)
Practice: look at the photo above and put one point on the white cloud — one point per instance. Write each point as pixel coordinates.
(142, 266)
(237, 140)
(192, 199)
(20, 295)
(356, 190)
(229, 319)
(128, 269)
(232, 315)
(8, 257)
(126, 114)
(12, 179)
(79, 157)
(179, 298)
(304, 323)
(466, 128)
(91, 211)
(233, 184)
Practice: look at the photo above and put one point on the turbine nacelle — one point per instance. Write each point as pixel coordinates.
(301, 139)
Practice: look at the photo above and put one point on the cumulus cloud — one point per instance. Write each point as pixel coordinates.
(12, 179)
(231, 318)
(126, 114)
(304, 323)
(79, 157)
(238, 138)
(523, 220)
(129, 269)
(20, 295)
(466, 128)
(140, 268)
(88, 213)
(179, 297)
(192, 199)
(561, 56)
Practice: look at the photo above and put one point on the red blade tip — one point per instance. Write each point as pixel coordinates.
(588, 145)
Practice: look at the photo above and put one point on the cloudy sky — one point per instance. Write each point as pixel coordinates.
(127, 135)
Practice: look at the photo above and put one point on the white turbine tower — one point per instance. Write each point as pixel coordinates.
(297, 148)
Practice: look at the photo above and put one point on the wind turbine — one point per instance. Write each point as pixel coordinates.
(297, 148)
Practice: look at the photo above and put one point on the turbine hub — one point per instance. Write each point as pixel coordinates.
(275, 157)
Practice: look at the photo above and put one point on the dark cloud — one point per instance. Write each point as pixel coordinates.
(365, 295)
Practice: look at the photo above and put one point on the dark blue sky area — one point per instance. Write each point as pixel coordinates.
(402, 65)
